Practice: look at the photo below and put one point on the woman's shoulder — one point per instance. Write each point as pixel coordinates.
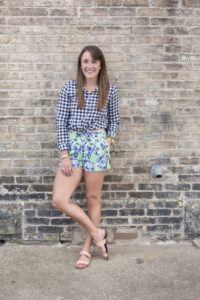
(71, 84)
(69, 88)
(112, 89)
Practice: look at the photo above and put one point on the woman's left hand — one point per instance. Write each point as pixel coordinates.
(109, 141)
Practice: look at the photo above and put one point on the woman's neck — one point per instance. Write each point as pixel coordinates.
(90, 85)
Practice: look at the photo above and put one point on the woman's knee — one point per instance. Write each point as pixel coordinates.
(92, 200)
(55, 201)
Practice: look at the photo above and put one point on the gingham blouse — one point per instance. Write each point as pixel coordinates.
(69, 117)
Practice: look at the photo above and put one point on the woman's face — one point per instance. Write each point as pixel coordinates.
(89, 66)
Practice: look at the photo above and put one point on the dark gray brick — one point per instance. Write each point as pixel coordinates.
(44, 213)
(159, 228)
(150, 187)
(177, 187)
(196, 186)
(109, 213)
(50, 229)
(159, 212)
(65, 221)
(172, 220)
(131, 212)
(167, 195)
(37, 221)
(29, 213)
(147, 195)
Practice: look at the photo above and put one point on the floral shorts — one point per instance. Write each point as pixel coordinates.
(89, 150)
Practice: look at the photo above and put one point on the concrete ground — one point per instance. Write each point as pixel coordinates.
(165, 271)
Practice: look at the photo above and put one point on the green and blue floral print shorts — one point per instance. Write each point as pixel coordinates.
(89, 150)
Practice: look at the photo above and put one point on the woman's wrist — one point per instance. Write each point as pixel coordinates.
(64, 154)
(112, 141)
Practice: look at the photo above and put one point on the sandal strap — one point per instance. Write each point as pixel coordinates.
(101, 243)
(82, 262)
(85, 253)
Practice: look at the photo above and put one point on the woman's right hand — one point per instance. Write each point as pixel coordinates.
(66, 166)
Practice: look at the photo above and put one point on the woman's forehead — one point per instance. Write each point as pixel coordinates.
(88, 55)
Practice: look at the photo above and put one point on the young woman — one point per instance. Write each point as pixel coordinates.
(87, 122)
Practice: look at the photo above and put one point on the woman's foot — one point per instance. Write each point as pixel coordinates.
(84, 259)
(102, 243)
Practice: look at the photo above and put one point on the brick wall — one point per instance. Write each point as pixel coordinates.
(153, 52)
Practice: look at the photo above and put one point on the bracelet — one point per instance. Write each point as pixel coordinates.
(66, 155)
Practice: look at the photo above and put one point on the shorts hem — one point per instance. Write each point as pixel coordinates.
(96, 170)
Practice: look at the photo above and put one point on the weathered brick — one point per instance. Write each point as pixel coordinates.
(196, 186)
(140, 195)
(6, 179)
(147, 220)
(167, 220)
(108, 2)
(151, 12)
(131, 212)
(165, 3)
(141, 170)
(109, 213)
(150, 187)
(41, 188)
(189, 178)
(49, 229)
(177, 212)
(192, 195)
(65, 221)
(178, 12)
(32, 196)
(56, 213)
(175, 31)
(159, 212)
(30, 229)
(16, 188)
(44, 213)
(122, 186)
(135, 3)
(29, 213)
(122, 11)
(116, 221)
(159, 228)
(190, 3)
(37, 221)
(176, 236)
(171, 204)
(177, 187)
(167, 195)
(113, 178)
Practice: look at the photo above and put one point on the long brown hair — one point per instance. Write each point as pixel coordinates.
(103, 81)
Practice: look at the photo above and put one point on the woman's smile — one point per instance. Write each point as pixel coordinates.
(89, 66)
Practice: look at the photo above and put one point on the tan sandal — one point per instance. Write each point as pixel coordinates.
(83, 252)
(103, 242)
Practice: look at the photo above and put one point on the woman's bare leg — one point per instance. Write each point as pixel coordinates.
(62, 191)
(93, 185)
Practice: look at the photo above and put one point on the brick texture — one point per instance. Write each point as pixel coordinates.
(153, 53)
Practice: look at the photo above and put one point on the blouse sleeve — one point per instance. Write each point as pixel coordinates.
(113, 113)
(62, 117)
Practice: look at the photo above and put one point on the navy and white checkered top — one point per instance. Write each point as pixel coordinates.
(69, 117)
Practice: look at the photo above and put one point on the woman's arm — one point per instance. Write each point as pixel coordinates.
(113, 113)
(61, 120)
